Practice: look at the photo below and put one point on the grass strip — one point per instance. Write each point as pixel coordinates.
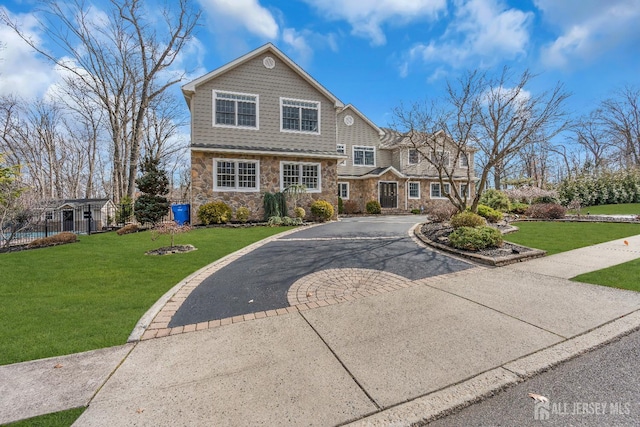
(556, 237)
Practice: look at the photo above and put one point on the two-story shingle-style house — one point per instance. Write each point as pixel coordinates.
(261, 123)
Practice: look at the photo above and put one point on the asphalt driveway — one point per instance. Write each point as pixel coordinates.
(259, 280)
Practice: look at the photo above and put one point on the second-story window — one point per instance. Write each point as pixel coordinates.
(364, 156)
(235, 109)
(414, 156)
(300, 116)
(464, 160)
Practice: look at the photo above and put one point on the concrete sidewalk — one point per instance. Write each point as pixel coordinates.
(393, 358)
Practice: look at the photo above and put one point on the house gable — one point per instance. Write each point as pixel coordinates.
(275, 83)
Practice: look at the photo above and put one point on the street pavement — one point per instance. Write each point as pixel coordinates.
(394, 358)
(600, 388)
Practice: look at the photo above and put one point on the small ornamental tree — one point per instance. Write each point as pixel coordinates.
(151, 206)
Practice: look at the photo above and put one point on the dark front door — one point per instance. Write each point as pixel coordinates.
(389, 194)
(67, 220)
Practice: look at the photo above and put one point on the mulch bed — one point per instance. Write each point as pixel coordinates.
(437, 235)
(168, 250)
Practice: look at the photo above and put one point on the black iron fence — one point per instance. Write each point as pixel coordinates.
(80, 219)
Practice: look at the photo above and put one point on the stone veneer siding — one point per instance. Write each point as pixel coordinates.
(363, 190)
(202, 184)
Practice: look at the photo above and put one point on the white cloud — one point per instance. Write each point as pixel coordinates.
(228, 14)
(588, 28)
(22, 73)
(483, 30)
(298, 43)
(367, 17)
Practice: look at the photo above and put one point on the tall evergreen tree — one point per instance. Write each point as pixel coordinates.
(151, 205)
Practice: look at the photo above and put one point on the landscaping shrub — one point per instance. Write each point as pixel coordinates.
(56, 239)
(415, 211)
(544, 199)
(214, 213)
(274, 221)
(467, 219)
(495, 199)
(127, 229)
(373, 207)
(528, 194)
(440, 210)
(340, 206)
(275, 204)
(490, 214)
(242, 214)
(291, 221)
(546, 211)
(299, 212)
(476, 238)
(602, 189)
(519, 208)
(351, 207)
(322, 210)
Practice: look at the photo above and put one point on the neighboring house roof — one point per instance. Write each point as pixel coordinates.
(365, 118)
(391, 139)
(189, 89)
(61, 203)
(291, 152)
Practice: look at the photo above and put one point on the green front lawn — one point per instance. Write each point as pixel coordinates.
(57, 419)
(623, 276)
(556, 237)
(90, 295)
(621, 209)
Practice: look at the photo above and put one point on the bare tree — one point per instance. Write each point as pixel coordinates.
(122, 59)
(494, 117)
(591, 133)
(620, 117)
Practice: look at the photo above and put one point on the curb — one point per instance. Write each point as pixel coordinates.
(455, 397)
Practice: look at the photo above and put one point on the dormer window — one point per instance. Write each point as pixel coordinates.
(300, 116)
(414, 156)
(233, 109)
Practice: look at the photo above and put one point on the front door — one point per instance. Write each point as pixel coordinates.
(67, 220)
(389, 194)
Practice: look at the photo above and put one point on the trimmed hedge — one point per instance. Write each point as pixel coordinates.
(373, 207)
(56, 239)
(476, 238)
(546, 211)
(489, 214)
(467, 219)
(322, 210)
(214, 213)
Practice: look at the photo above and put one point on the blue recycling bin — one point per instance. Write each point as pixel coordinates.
(181, 214)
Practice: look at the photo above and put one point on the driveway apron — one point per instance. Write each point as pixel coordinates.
(259, 281)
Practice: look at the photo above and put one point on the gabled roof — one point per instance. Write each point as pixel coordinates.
(391, 139)
(365, 118)
(377, 172)
(189, 89)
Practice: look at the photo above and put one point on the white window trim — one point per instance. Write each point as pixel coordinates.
(409, 156)
(215, 97)
(448, 153)
(312, 190)
(318, 104)
(462, 190)
(441, 190)
(409, 190)
(353, 154)
(347, 196)
(342, 162)
(462, 155)
(236, 188)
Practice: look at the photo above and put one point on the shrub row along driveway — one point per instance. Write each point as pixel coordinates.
(259, 280)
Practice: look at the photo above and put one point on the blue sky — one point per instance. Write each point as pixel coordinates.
(376, 54)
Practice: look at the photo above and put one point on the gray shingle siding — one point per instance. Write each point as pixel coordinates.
(270, 85)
